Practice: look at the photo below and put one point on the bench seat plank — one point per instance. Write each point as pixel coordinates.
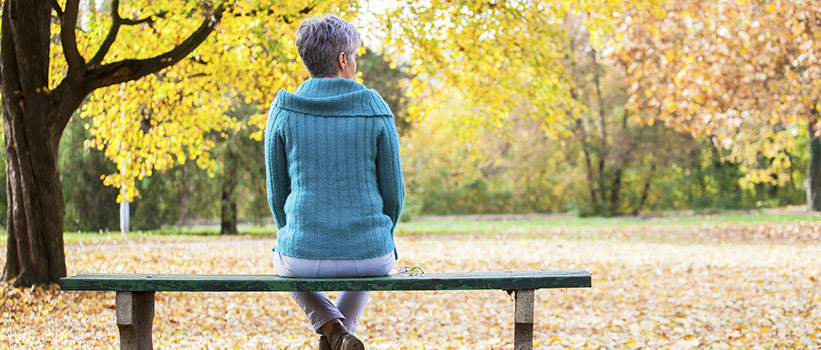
(273, 283)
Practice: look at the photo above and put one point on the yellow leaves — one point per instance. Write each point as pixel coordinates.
(669, 106)
(170, 117)
(731, 75)
(501, 63)
(700, 98)
(733, 286)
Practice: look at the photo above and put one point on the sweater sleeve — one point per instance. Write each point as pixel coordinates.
(389, 171)
(276, 170)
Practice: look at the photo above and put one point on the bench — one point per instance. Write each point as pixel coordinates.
(135, 292)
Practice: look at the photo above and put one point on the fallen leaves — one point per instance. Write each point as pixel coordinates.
(729, 289)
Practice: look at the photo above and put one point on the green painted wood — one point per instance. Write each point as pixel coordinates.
(272, 283)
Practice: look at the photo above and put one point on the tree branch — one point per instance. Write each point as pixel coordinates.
(68, 24)
(288, 19)
(149, 19)
(57, 8)
(131, 69)
(116, 22)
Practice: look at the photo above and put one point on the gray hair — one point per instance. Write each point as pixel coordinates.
(320, 40)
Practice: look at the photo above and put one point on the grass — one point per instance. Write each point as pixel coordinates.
(467, 224)
(169, 233)
(474, 224)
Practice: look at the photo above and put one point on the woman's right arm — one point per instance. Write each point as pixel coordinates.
(276, 169)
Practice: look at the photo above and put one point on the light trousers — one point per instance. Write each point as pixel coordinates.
(349, 305)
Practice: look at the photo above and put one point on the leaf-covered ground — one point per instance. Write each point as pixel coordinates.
(696, 287)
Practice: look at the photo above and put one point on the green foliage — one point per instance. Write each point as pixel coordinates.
(90, 206)
(241, 168)
(181, 194)
(166, 199)
(713, 183)
(526, 171)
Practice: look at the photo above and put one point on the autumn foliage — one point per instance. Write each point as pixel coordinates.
(661, 286)
(743, 74)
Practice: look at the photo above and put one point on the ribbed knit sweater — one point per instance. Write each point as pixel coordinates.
(333, 171)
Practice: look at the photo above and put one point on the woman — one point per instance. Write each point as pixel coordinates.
(334, 179)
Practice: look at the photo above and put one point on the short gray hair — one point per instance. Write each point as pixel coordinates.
(320, 40)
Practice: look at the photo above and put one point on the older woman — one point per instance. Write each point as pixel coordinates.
(334, 179)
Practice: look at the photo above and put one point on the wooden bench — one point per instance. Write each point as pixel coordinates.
(135, 292)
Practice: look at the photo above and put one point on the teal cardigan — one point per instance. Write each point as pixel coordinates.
(333, 171)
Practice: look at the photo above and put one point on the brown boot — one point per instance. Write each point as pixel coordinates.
(324, 344)
(340, 339)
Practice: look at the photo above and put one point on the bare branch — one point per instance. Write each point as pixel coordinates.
(68, 24)
(116, 21)
(149, 19)
(198, 60)
(57, 8)
(287, 18)
(131, 69)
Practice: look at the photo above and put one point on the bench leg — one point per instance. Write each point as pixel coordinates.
(523, 328)
(135, 315)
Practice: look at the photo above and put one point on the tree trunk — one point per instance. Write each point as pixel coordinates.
(32, 126)
(645, 191)
(588, 162)
(228, 223)
(814, 168)
(615, 191)
(610, 209)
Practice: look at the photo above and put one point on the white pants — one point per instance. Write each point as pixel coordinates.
(316, 305)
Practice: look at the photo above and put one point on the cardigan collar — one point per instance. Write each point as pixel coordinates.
(333, 97)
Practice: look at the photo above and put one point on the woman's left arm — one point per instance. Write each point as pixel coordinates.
(276, 170)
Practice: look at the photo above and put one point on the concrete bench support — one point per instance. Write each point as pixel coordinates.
(523, 327)
(135, 315)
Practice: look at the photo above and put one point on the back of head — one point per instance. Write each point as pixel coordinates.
(321, 40)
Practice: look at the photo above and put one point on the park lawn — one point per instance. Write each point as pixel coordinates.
(531, 223)
(517, 224)
(725, 285)
(170, 234)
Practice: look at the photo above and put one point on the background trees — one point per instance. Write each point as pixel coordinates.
(744, 75)
(527, 106)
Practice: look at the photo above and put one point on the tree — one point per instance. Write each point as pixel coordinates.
(513, 60)
(503, 58)
(620, 158)
(744, 75)
(240, 168)
(171, 94)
